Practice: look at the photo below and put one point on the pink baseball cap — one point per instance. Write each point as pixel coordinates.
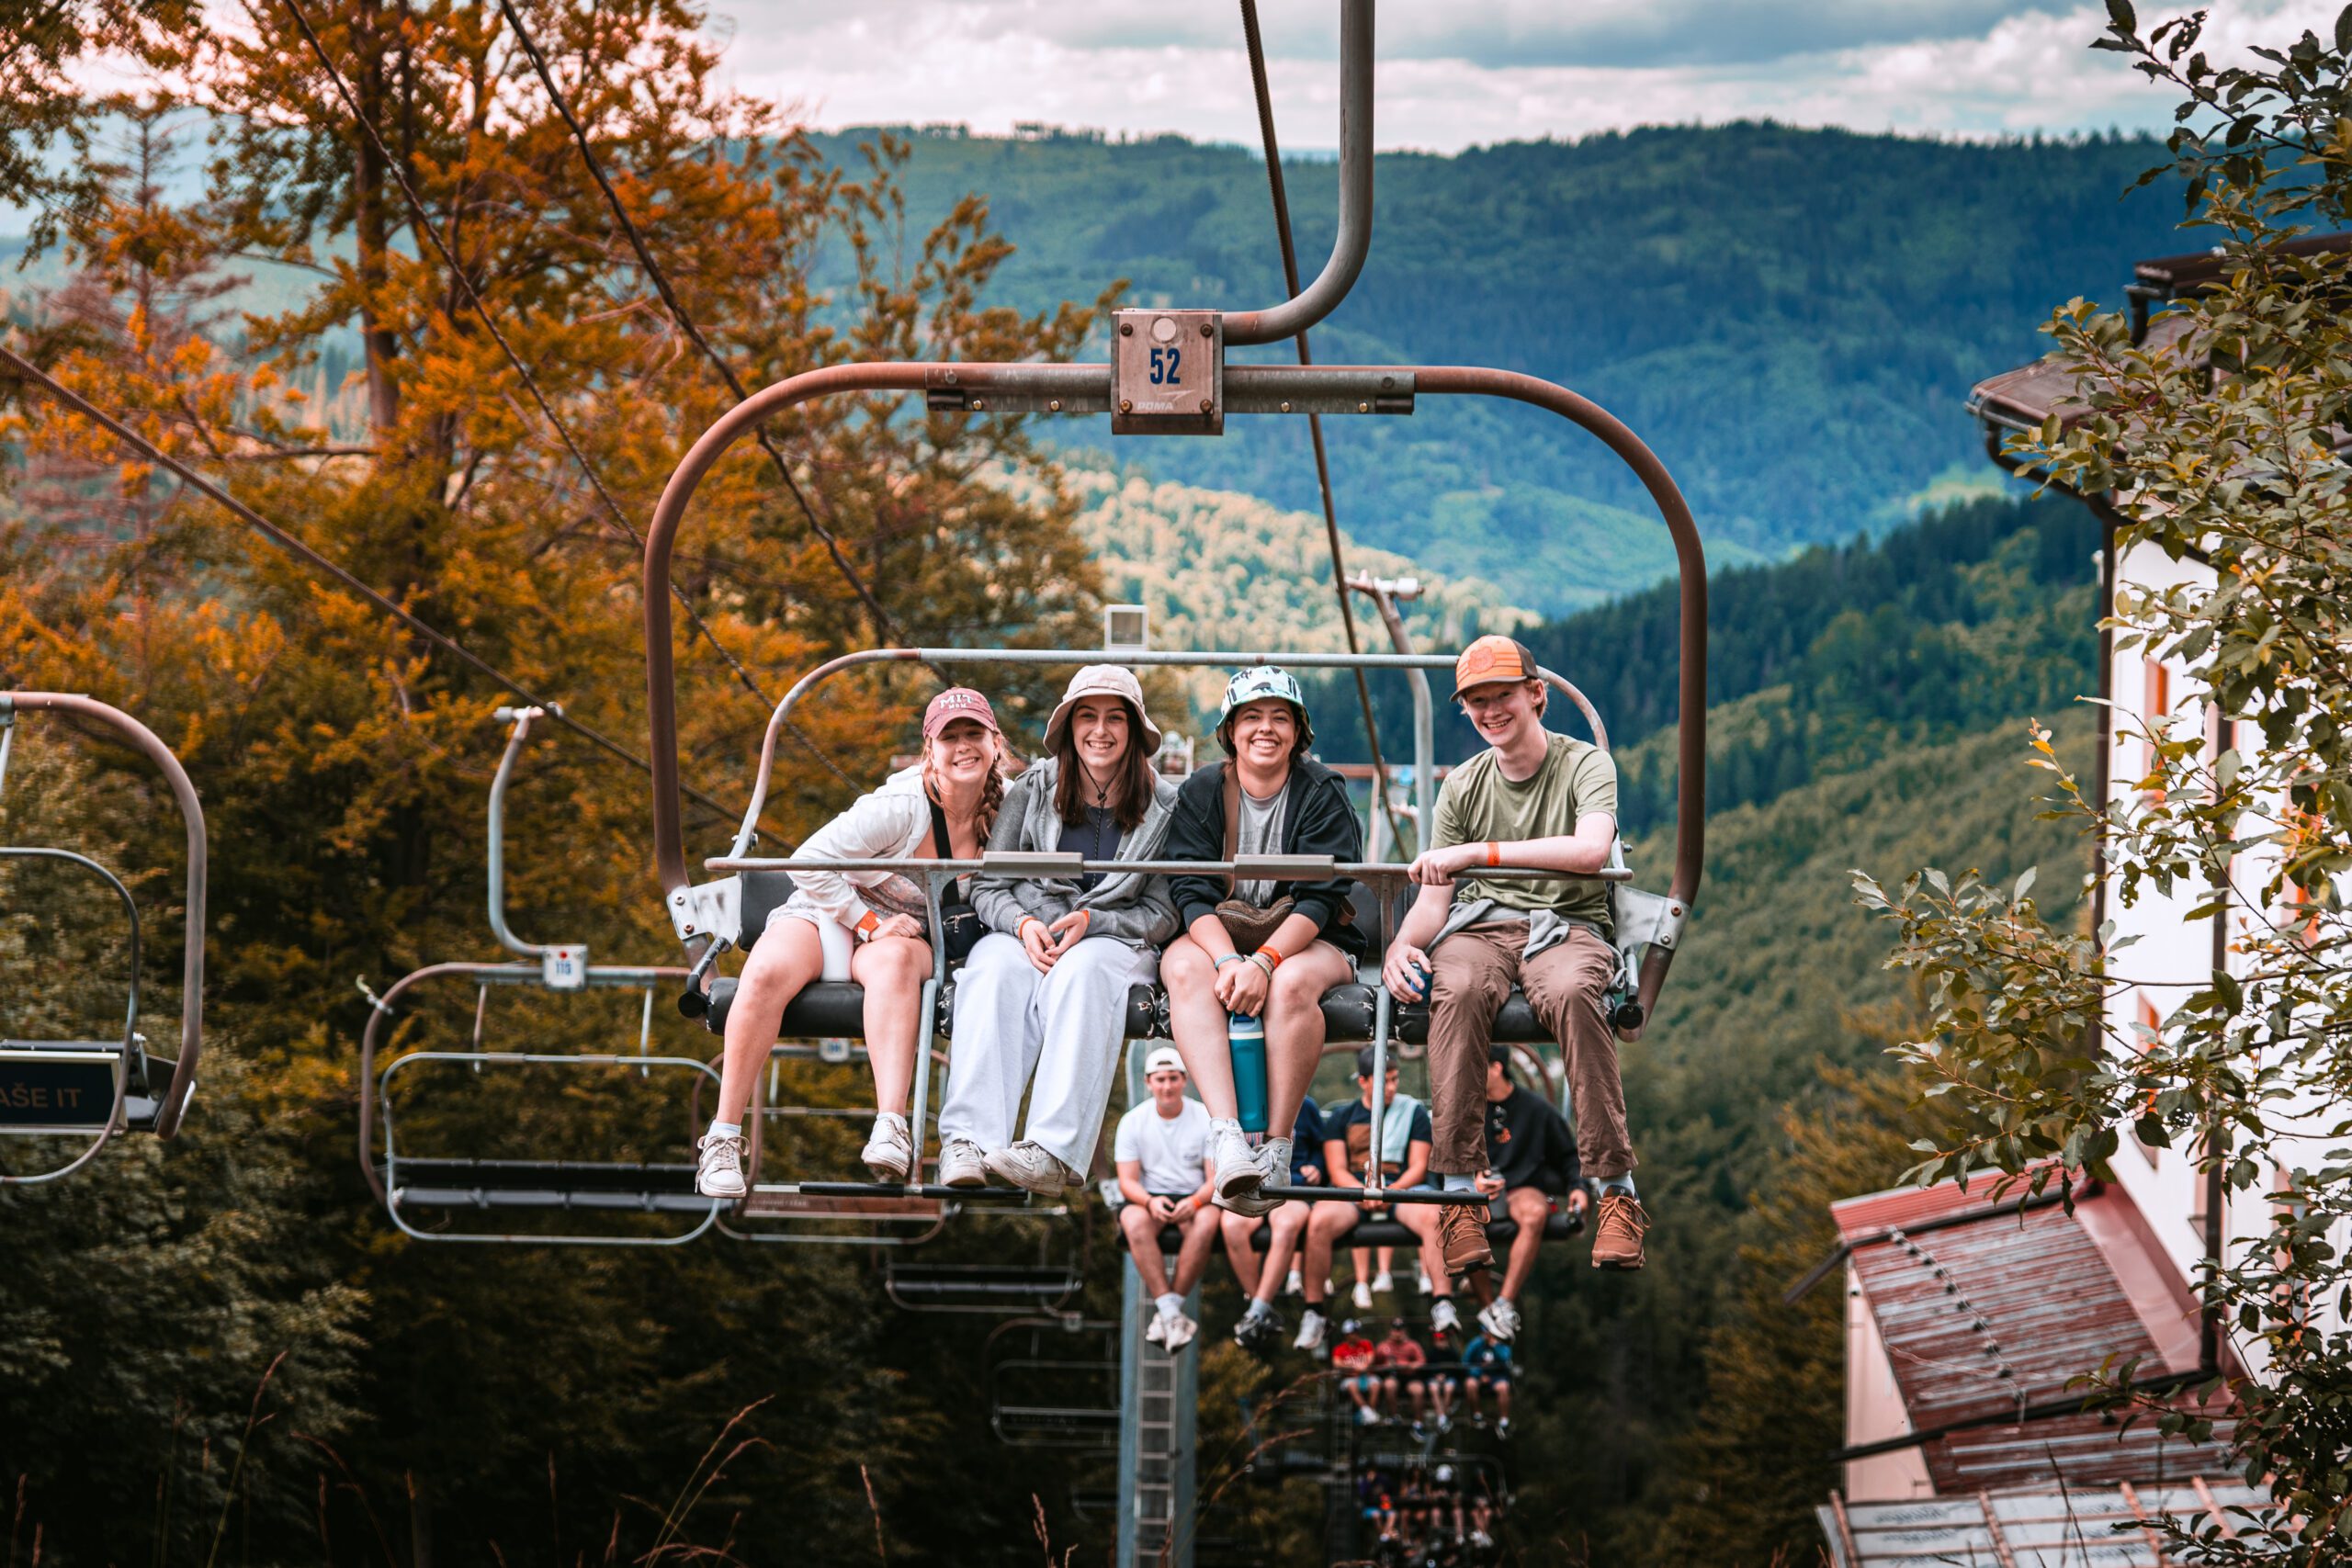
(957, 702)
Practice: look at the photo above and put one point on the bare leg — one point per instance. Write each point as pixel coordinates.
(1200, 1239)
(1288, 1223)
(1421, 1220)
(1416, 1394)
(1384, 1260)
(1241, 1250)
(1294, 1027)
(1198, 1024)
(1532, 1209)
(892, 969)
(1362, 1258)
(1502, 1398)
(1143, 1246)
(781, 965)
(1325, 1226)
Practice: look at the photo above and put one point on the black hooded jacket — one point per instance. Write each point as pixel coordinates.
(1320, 820)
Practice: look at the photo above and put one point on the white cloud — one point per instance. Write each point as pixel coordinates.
(1450, 76)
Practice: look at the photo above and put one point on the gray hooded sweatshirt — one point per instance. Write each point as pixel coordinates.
(1137, 910)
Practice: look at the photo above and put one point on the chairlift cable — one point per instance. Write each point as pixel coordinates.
(1314, 421)
(661, 281)
(147, 451)
(613, 507)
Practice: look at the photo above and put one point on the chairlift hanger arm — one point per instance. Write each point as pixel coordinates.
(993, 381)
(522, 717)
(175, 1096)
(1354, 242)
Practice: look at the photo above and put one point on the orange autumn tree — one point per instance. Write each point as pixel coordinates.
(344, 759)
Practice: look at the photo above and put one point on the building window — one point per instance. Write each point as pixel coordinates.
(2155, 706)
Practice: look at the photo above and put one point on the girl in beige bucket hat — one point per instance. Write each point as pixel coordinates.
(1044, 993)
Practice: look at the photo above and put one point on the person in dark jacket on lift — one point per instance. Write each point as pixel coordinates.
(1259, 949)
(1532, 1166)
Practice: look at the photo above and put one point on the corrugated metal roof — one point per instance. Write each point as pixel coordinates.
(1993, 1315)
(2112, 1526)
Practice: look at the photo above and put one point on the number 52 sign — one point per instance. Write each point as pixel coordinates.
(1168, 373)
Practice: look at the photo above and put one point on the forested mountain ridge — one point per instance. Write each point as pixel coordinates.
(1789, 318)
(1975, 613)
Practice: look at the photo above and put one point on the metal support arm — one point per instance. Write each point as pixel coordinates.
(175, 1096)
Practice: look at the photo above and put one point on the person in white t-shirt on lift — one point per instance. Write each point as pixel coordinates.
(1162, 1148)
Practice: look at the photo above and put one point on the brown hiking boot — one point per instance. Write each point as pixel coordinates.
(1617, 1243)
(1462, 1236)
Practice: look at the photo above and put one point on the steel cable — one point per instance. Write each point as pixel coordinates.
(1314, 421)
(423, 227)
(147, 451)
(661, 281)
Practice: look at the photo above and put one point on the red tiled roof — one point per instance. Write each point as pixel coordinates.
(1995, 1315)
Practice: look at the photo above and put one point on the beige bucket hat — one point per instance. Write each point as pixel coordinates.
(1102, 681)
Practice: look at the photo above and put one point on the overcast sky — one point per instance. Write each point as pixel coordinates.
(1455, 73)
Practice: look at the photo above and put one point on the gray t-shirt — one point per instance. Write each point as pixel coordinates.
(1261, 834)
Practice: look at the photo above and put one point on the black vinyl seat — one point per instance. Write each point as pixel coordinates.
(836, 1009)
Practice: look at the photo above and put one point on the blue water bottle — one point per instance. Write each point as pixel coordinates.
(1248, 1038)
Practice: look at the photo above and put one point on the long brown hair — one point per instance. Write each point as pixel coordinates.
(1134, 793)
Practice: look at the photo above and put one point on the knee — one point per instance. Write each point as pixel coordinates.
(1184, 967)
(1530, 1206)
(897, 962)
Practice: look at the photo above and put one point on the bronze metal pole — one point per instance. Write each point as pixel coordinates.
(174, 1099)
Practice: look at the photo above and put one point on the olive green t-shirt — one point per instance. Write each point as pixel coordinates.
(1477, 803)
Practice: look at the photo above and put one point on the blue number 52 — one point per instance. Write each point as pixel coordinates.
(1164, 363)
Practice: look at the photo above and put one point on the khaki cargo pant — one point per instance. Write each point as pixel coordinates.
(1474, 970)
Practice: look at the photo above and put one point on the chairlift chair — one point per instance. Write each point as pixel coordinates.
(412, 1186)
(1053, 1382)
(62, 1089)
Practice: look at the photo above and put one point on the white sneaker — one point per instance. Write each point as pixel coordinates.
(1382, 1284)
(1499, 1319)
(1027, 1165)
(1293, 1285)
(1367, 1416)
(1443, 1319)
(1274, 1159)
(1155, 1331)
(1310, 1331)
(1179, 1333)
(890, 1150)
(1237, 1172)
(962, 1163)
(718, 1167)
(1361, 1296)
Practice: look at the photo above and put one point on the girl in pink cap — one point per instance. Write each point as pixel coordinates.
(866, 926)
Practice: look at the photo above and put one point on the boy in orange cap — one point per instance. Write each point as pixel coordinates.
(1549, 803)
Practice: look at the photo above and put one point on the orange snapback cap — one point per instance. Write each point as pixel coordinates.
(1492, 659)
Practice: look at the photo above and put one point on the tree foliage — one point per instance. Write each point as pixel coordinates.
(2228, 447)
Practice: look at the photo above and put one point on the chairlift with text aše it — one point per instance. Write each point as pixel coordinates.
(92, 1089)
(411, 1187)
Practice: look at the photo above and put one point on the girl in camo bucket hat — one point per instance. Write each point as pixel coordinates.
(1261, 681)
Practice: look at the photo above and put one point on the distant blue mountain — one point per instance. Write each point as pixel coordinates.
(1791, 318)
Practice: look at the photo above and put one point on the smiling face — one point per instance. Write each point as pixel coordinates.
(962, 753)
(1167, 1087)
(1505, 713)
(1100, 733)
(1265, 733)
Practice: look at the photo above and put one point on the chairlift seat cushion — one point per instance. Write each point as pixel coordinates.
(836, 1010)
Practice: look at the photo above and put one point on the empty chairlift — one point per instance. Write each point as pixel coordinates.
(428, 1195)
(69, 1097)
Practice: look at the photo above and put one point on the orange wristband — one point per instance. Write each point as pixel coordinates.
(1272, 951)
(868, 923)
(1494, 852)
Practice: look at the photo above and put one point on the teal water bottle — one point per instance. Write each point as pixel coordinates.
(1248, 1038)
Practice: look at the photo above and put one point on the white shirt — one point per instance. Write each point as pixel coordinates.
(1173, 1150)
